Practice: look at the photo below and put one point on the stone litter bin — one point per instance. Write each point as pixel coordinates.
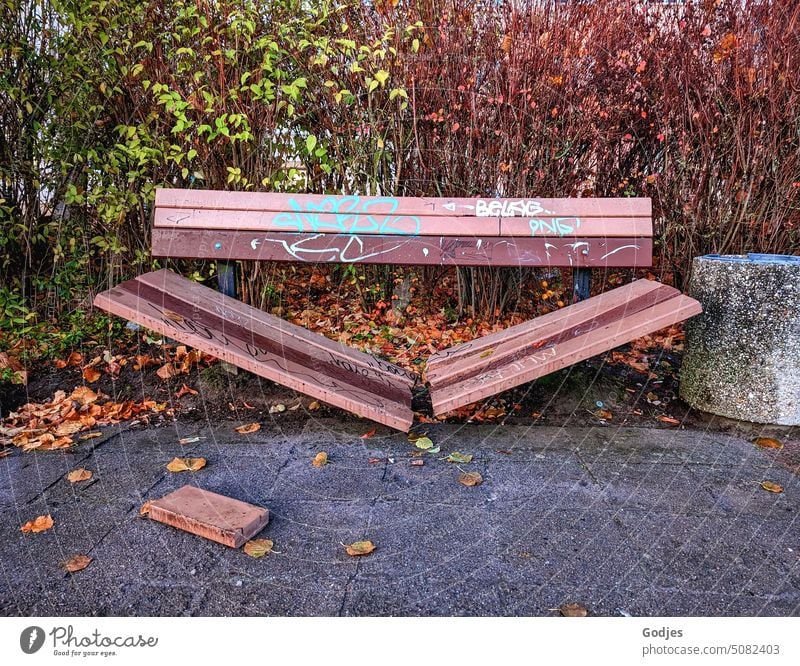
(742, 355)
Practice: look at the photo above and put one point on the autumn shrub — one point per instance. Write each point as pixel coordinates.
(694, 104)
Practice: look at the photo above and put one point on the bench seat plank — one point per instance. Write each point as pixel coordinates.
(544, 332)
(370, 397)
(554, 356)
(422, 206)
(295, 339)
(400, 224)
(403, 250)
(582, 311)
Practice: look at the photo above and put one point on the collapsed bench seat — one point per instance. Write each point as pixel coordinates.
(265, 345)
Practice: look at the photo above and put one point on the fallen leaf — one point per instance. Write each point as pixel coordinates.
(75, 358)
(60, 364)
(90, 435)
(186, 464)
(188, 440)
(39, 524)
(768, 443)
(772, 487)
(369, 434)
(456, 457)
(320, 460)
(258, 547)
(80, 474)
(313, 406)
(375, 460)
(573, 610)
(604, 414)
(424, 443)
(167, 371)
(248, 428)
(145, 508)
(68, 428)
(360, 548)
(470, 479)
(83, 395)
(185, 390)
(277, 409)
(77, 563)
(91, 374)
(3, 454)
(669, 419)
(419, 462)
(487, 353)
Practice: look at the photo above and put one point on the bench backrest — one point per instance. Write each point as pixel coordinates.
(590, 233)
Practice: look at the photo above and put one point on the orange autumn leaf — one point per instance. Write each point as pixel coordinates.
(248, 428)
(360, 548)
(167, 371)
(77, 563)
(320, 460)
(80, 474)
(573, 610)
(470, 479)
(91, 374)
(186, 464)
(39, 524)
(185, 390)
(83, 395)
(369, 434)
(669, 420)
(768, 443)
(75, 358)
(145, 508)
(772, 487)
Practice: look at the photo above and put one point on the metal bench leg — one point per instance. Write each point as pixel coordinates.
(226, 283)
(581, 284)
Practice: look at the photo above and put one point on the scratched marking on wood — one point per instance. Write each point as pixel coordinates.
(342, 385)
(403, 250)
(554, 356)
(457, 364)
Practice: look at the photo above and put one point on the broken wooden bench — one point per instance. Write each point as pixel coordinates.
(226, 226)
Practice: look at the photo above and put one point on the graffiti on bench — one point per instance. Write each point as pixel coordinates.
(352, 215)
(260, 355)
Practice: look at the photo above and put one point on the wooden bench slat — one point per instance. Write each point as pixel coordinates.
(517, 345)
(235, 346)
(401, 225)
(422, 206)
(280, 331)
(410, 250)
(582, 311)
(257, 338)
(549, 359)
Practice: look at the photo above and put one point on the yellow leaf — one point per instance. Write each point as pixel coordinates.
(470, 479)
(249, 428)
(360, 548)
(320, 460)
(90, 435)
(77, 563)
(768, 443)
(487, 353)
(313, 406)
(186, 464)
(79, 474)
(91, 374)
(772, 486)
(573, 610)
(258, 547)
(39, 524)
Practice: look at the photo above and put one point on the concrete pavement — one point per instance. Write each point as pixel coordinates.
(625, 521)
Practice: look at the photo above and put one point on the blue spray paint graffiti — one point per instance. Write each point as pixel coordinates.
(350, 215)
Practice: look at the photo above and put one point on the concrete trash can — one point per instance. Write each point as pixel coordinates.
(742, 355)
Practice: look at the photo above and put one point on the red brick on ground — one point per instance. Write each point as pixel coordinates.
(215, 517)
